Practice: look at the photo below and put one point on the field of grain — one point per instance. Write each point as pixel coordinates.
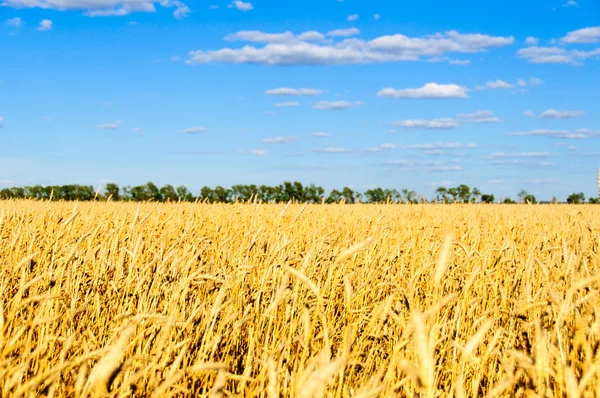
(125, 299)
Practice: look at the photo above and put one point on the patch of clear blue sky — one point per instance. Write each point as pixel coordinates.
(59, 85)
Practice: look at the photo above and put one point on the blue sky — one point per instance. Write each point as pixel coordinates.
(501, 95)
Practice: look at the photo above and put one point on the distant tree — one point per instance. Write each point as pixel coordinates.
(576, 198)
(487, 198)
(594, 200)
(554, 200)
(112, 190)
(376, 195)
(475, 194)
(208, 194)
(314, 194)
(349, 195)
(168, 193)
(409, 196)
(508, 201)
(222, 195)
(529, 198)
(335, 196)
(442, 194)
(183, 194)
(522, 194)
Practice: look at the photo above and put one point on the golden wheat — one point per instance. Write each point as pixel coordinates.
(123, 299)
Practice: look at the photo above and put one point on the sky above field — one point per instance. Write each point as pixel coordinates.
(501, 95)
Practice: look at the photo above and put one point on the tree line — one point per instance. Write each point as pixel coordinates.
(294, 191)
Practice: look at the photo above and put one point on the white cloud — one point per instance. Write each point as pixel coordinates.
(242, 6)
(335, 105)
(320, 134)
(311, 35)
(534, 81)
(459, 62)
(555, 55)
(332, 149)
(287, 49)
(497, 84)
(286, 104)
(294, 91)
(45, 24)
(194, 130)
(136, 130)
(571, 3)
(585, 35)
(353, 17)
(433, 124)
(380, 148)
(519, 155)
(430, 166)
(531, 41)
(280, 140)
(555, 114)
(110, 126)
(259, 152)
(439, 145)
(213, 7)
(376, 17)
(99, 8)
(1, 122)
(269, 113)
(429, 90)
(562, 134)
(522, 83)
(14, 22)
(480, 117)
(528, 113)
(343, 32)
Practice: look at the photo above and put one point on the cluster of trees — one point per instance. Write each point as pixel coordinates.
(285, 192)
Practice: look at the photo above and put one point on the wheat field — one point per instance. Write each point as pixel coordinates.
(124, 299)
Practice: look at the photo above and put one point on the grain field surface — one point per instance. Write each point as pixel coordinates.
(125, 299)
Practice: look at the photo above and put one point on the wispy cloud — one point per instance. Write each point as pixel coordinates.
(110, 126)
(528, 113)
(505, 155)
(286, 104)
(563, 134)
(1, 122)
(480, 117)
(582, 36)
(335, 105)
(380, 148)
(556, 114)
(45, 24)
(343, 32)
(241, 5)
(286, 91)
(353, 17)
(376, 17)
(194, 130)
(429, 90)
(258, 152)
(280, 140)
(332, 149)
(495, 85)
(433, 124)
(439, 145)
(531, 41)
(424, 165)
(103, 8)
(14, 22)
(320, 134)
(555, 55)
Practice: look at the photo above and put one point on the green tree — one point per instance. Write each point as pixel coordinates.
(442, 194)
(334, 196)
(349, 195)
(112, 190)
(508, 201)
(576, 198)
(487, 198)
(593, 200)
(167, 193)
